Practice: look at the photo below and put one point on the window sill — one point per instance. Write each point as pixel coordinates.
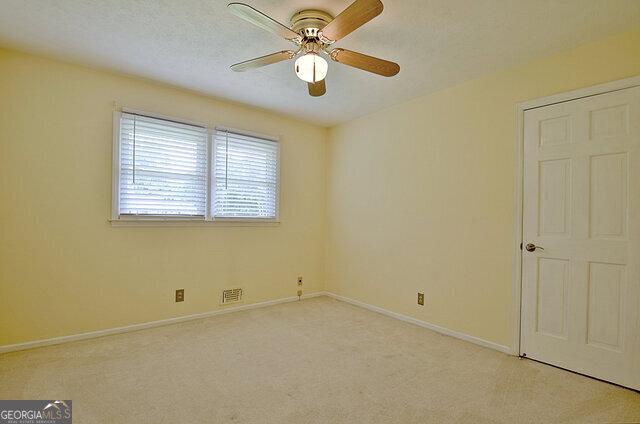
(190, 222)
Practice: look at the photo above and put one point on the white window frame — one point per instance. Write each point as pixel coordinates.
(117, 219)
(212, 180)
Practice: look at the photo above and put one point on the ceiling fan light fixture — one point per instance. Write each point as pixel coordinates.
(311, 67)
(313, 32)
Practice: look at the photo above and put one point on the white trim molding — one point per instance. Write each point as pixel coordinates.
(519, 176)
(428, 325)
(581, 93)
(151, 324)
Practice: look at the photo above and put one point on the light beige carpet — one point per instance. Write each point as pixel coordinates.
(314, 361)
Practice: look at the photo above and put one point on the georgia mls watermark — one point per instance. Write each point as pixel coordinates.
(35, 412)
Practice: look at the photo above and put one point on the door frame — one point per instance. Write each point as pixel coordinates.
(521, 108)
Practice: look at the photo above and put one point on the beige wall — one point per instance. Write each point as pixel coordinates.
(421, 195)
(418, 197)
(64, 269)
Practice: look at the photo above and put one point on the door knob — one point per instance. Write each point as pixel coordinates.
(532, 247)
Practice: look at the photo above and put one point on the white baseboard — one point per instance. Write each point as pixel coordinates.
(434, 327)
(152, 324)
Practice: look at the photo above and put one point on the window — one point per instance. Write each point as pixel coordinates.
(245, 175)
(165, 169)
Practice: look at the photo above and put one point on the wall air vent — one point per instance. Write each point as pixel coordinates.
(231, 296)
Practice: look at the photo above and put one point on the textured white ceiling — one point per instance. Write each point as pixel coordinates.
(191, 43)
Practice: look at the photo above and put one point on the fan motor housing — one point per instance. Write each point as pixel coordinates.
(309, 22)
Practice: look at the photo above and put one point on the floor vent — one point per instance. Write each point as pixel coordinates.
(231, 296)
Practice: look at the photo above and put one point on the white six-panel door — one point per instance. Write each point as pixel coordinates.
(581, 204)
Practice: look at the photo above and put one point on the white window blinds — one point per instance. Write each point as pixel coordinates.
(246, 176)
(163, 167)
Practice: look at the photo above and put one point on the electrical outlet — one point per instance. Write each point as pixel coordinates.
(421, 299)
(180, 295)
(300, 280)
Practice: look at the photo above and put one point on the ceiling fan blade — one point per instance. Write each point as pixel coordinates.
(364, 62)
(258, 18)
(317, 89)
(263, 61)
(353, 17)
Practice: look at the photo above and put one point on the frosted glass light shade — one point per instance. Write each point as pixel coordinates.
(311, 68)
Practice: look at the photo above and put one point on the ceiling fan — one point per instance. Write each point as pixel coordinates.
(313, 32)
